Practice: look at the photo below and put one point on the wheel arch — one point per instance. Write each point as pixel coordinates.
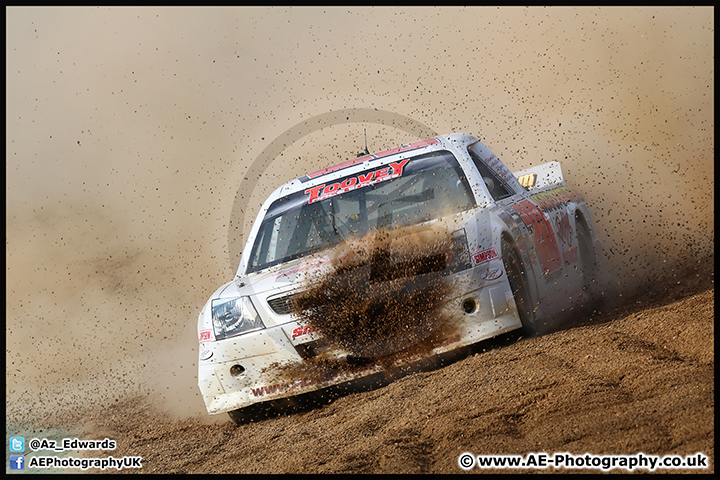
(529, 271)
(581, 222)
(580, 219)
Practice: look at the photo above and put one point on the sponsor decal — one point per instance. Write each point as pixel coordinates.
(491, 273)
(302, 330)
(528, 180)
(484, 256)
(375, 156)
(322, 192)
(205, 335)
(447, 341)
(543, 234)
(310, 381)
(549, 228)
(279, 388)
(555, 198)
(289, 274)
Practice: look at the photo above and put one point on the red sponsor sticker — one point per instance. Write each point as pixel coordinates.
(302, 330)
(321, 192)
(355, 161)
(205, 335)
(292, 271)
(484, 256)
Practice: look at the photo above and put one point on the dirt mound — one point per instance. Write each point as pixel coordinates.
(639, 378)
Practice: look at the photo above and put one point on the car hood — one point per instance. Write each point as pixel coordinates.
(278, 279)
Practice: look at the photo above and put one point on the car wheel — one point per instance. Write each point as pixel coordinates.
(515, 269)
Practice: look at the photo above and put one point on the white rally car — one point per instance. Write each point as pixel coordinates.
(528, 254)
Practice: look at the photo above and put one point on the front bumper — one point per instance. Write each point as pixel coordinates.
(244, 370)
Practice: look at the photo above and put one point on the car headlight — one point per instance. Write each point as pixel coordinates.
(233, 316)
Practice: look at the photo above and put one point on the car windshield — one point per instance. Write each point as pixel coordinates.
(409, 191)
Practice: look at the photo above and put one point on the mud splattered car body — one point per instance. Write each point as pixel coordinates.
(526, 252)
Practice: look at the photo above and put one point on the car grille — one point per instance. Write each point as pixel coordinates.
(281, 305)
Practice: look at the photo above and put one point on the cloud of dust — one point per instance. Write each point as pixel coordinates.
(130, 129)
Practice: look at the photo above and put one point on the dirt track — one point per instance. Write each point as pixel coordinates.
(639, 378)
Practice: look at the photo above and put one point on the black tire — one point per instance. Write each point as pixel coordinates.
(593, 302)
(518, 278)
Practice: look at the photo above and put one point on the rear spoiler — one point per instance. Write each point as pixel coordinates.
(535, 178)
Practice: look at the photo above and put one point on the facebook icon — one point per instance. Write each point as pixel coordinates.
(17, 462)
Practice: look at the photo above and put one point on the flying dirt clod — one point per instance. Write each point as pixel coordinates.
(383, 294)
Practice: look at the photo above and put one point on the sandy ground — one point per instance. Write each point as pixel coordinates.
(639, 378)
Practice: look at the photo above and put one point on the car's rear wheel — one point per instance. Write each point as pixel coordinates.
(518, 278)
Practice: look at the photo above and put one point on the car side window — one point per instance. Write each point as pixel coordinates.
(497, 187)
